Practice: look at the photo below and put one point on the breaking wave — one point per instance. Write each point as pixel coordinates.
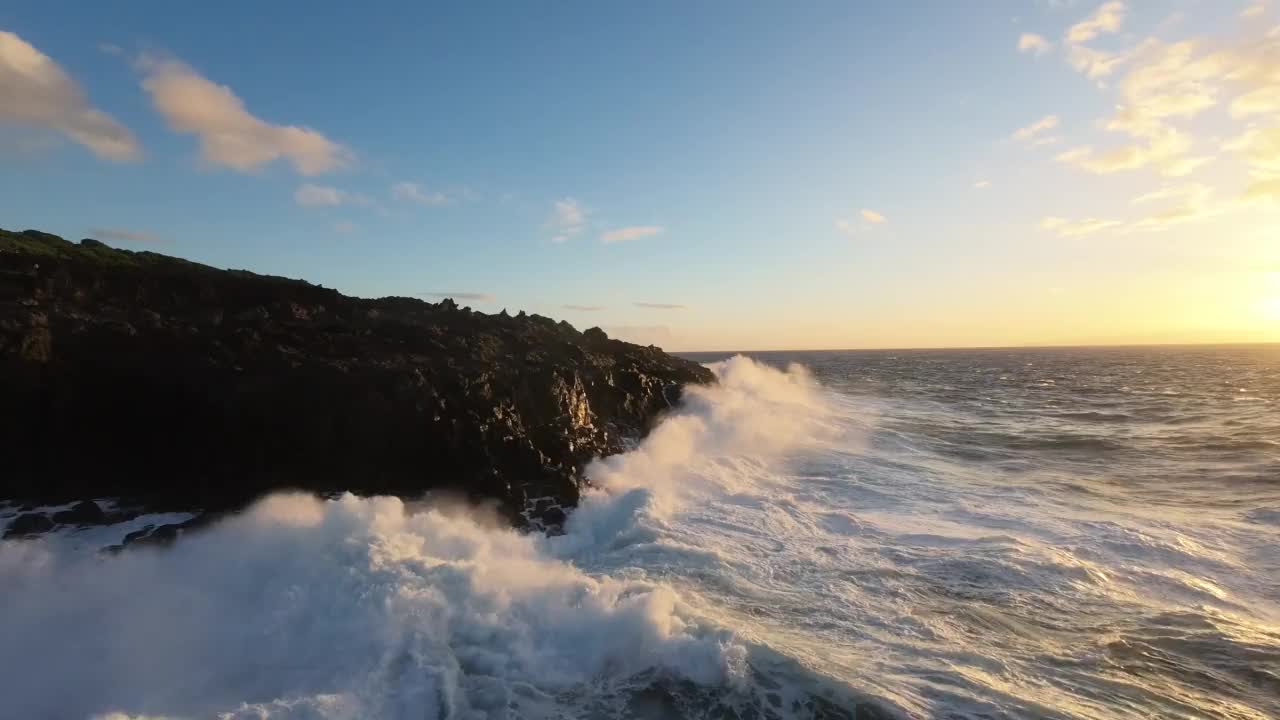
(374, 608)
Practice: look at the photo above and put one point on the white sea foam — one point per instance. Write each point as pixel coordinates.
(362, 608)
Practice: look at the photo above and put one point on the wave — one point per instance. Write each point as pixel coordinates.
(376, 608)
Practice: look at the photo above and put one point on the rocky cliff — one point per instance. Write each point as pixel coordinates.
(151, 378)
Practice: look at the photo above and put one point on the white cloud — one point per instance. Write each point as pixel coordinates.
(1049, 140)
(1173, 192)
(1075, 155)
(1260, 149)
(122, 235)
(36, 92)
(415, 193)
(659, 306)
(1184, 166)
(569, 213)
(310, 195)
(1106, 19)
(1077, 228)
(1191, 203)
(1094, 63)
(1241, 142)
(1263, 191)
(867, 219)
(1033, 43)
(631, 233)
(1177, 81)
(1166, 150)
(1263, 101)
(568, 218)
(1045, 123)
(1195, 202)
(1170, 80)
(982, 185)
(1168, 84)
(230, 136)
(1253, 11)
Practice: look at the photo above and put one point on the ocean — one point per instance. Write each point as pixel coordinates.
(1038, 533)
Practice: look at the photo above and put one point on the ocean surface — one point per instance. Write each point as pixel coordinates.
(1042, 533)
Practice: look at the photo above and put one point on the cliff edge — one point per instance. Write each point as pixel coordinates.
(170, 383)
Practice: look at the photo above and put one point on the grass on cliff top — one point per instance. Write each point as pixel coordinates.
(40, 244)
(36, 244)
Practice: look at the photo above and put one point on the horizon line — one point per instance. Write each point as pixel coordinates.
(1239, 343)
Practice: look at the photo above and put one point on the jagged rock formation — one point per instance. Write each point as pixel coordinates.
(175, 384)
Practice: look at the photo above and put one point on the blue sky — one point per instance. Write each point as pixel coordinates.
(699, 175)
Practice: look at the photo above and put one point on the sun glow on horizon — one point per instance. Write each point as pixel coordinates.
(1269, 306)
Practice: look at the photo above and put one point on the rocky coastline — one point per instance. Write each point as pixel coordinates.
(175, 386)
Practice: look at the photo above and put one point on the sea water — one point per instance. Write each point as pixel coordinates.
(1072, 533)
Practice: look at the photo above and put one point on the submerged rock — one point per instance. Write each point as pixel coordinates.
(151, 378)
(165, 534)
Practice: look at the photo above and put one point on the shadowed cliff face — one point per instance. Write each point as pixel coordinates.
(149, 377)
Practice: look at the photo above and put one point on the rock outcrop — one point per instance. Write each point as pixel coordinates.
(178, 385)
(28, 524)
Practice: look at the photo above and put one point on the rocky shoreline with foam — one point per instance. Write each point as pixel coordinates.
(177, 387)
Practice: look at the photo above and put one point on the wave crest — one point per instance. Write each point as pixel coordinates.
(345, 608)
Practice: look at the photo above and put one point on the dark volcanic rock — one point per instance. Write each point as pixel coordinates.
(152, 378)
(85, 512)
(166, 534)
(28, 524)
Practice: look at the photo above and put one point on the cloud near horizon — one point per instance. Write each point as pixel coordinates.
(230, 136)
(122, 235)
(1191, 202)
(633, 232)
(583, 308)
(472, 296)
(36, 92)
(872, 216)
(660, 306)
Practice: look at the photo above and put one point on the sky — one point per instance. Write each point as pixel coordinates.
(699, 176)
